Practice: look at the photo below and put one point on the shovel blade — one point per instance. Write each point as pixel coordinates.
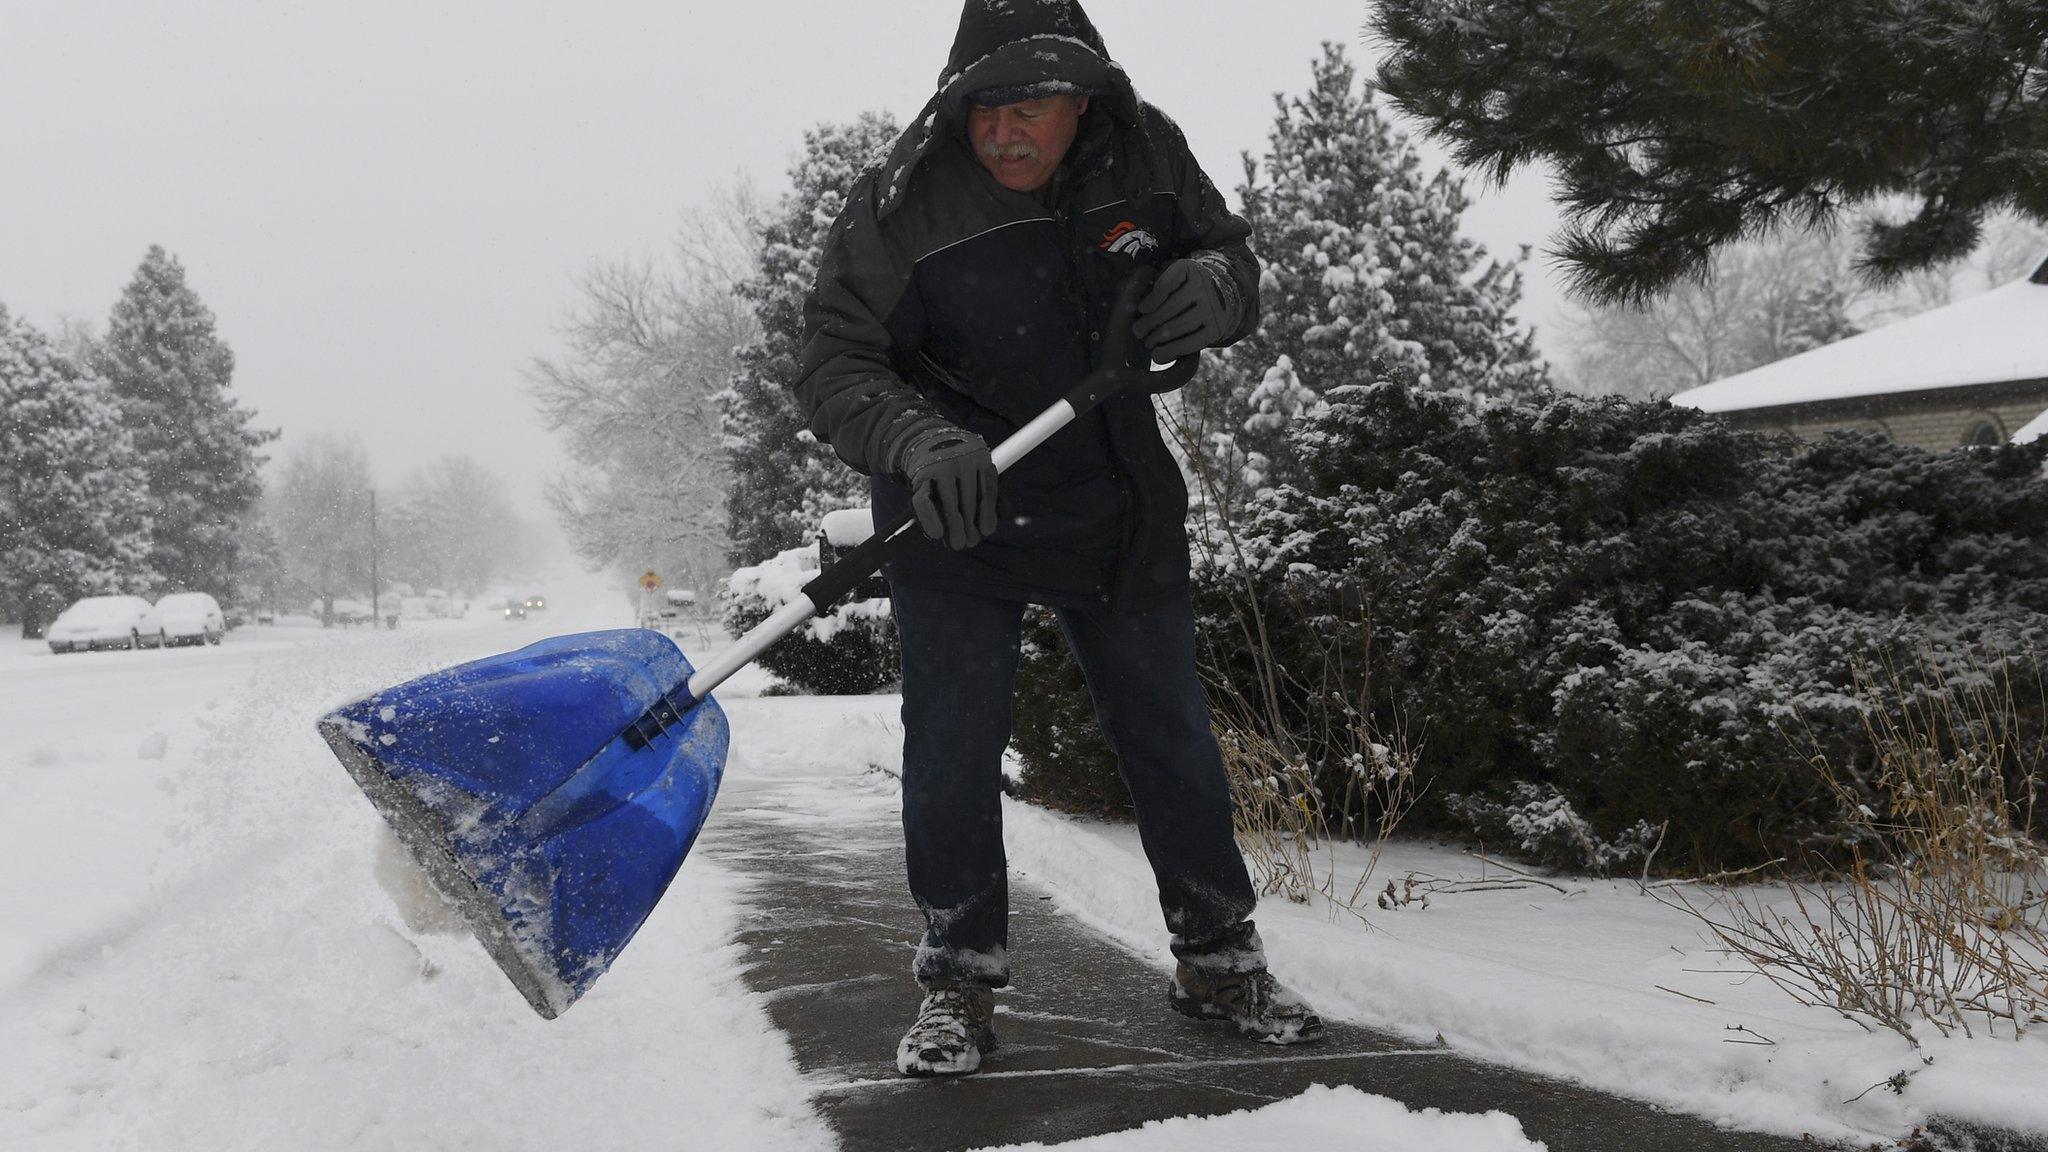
(512, 784)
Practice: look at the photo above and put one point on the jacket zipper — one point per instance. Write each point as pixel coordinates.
(1127, 520)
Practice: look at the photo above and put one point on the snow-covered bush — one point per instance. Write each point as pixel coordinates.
(850, 650)
(1536, 822)
(1633, 609)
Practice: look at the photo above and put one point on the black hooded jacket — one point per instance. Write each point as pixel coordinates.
(944, 296)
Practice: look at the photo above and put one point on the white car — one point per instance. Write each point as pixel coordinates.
(191, 618)
(106, 622)
(347, 612)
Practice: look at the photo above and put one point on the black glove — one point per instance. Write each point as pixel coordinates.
(952, 485)
(1183, 313)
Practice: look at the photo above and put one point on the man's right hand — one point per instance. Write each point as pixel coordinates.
(952, 486)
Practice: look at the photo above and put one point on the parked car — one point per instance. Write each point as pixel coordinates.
(106, 622)
(347, 613)
(191, 618)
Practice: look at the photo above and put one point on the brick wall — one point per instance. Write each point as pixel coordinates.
(1936, 420)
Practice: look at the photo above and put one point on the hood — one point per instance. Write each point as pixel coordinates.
(1028, 43)
(1012, 44)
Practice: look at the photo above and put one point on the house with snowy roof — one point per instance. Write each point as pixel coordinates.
(1972, 372)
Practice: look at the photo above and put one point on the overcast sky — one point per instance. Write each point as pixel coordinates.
(386, 202)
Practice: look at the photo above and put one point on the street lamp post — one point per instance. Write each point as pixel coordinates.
(376, 608)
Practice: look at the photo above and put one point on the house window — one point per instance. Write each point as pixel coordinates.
(1984, 434)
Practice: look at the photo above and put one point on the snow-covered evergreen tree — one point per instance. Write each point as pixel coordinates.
(1819, 315)
(1366, 276)
(783, 480)
(169, 373)
(74, 513)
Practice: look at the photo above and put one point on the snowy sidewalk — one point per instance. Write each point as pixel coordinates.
(1088, 1045)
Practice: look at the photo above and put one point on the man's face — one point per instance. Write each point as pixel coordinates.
(1022, 144)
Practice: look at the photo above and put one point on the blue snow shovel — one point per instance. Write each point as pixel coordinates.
(550, 794)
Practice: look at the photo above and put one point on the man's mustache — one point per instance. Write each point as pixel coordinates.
(995, 151)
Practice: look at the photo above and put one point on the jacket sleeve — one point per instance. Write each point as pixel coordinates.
(861, 320)
(1210, 233)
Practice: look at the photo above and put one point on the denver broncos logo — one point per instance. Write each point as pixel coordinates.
(1129, 239)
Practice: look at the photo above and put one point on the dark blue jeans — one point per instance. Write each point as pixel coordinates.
(959, 672)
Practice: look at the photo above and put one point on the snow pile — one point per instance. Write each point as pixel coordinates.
(1321, 1117)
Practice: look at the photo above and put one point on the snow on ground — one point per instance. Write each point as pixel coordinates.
(1572, 985)
(211, 942)
(1322, 1117)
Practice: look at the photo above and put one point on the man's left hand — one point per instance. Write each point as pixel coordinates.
(1183, 313)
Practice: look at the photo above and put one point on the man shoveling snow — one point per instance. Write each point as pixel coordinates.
(965, 286)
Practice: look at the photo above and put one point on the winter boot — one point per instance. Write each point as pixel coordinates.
(954, 1027)
(1259, 1005)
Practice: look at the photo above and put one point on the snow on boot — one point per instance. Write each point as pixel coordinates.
(954, 1027)
(1259, 1005)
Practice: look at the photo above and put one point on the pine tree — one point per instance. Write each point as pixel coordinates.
(169, 373)
(1675, 127)
(1366, 274)
(783, 479)
(74, 517)
(1820, 315)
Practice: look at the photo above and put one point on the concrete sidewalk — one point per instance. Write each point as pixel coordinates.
(1088, 1044)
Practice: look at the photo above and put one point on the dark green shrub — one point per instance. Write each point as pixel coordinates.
(1601, 617)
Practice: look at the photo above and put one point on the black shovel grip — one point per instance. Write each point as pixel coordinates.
(1124, 362)
(865, 560)
(1114, 371)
